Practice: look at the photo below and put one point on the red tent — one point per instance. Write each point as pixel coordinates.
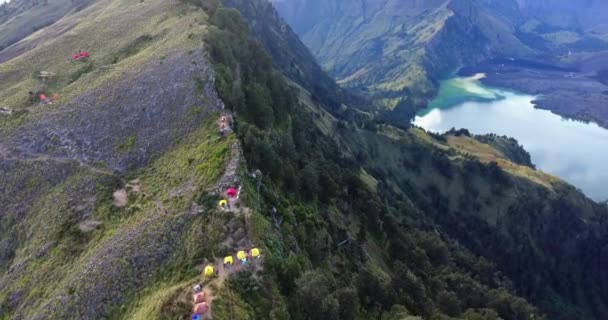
(201, 308)
(231, 192)
(84, 54)
(75, 56)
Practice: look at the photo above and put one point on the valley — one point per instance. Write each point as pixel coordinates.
(113, 194)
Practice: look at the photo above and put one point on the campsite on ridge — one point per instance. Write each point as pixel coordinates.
(295, 159)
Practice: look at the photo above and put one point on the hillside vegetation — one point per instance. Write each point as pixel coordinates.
(446, 184)
(371, 221)
(397, 50)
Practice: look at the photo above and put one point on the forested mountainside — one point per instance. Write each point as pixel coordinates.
(109, 194)
(398, 50)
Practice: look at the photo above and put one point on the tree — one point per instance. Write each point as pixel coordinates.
(448, 303)
(348, 302)
(313, 296)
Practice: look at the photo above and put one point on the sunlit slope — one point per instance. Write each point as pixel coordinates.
(19, 19)
(120, 35)
(139, 115)
(399, 49)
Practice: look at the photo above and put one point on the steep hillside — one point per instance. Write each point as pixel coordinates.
(292, 57)
(396, 49)
(19, 19)
(480, 192)
(109, 195)
(590, 17)
(101, 189)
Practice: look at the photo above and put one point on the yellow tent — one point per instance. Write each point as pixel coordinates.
(209, 271)
(228, 260)
(241, 255)
(223, 203)
(255, 252)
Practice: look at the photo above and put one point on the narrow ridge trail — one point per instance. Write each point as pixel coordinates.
(230, 179)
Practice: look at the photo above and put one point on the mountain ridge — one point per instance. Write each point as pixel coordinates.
(355, 218)
(398, 51)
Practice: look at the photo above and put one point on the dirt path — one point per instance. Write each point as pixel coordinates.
(237, 208)
(222, 275)
(229, 178)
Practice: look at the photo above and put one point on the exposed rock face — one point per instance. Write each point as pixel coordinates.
(53, 166)
(126, 122)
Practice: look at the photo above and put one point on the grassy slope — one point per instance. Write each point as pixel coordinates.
(56, 269)
(98, 29)
(398, 50)
(143, 256)
(26, 17)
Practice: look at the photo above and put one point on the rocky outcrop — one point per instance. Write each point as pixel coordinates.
(126, 122)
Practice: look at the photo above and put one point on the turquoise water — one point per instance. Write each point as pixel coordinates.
(572, 150)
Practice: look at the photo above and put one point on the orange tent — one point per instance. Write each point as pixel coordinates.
(201, 308)
(199, 297)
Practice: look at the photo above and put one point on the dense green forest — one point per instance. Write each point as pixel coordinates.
(343, 248)
(109, 202)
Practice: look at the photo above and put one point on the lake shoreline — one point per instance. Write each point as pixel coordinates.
(575, 92)
(572, 150)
